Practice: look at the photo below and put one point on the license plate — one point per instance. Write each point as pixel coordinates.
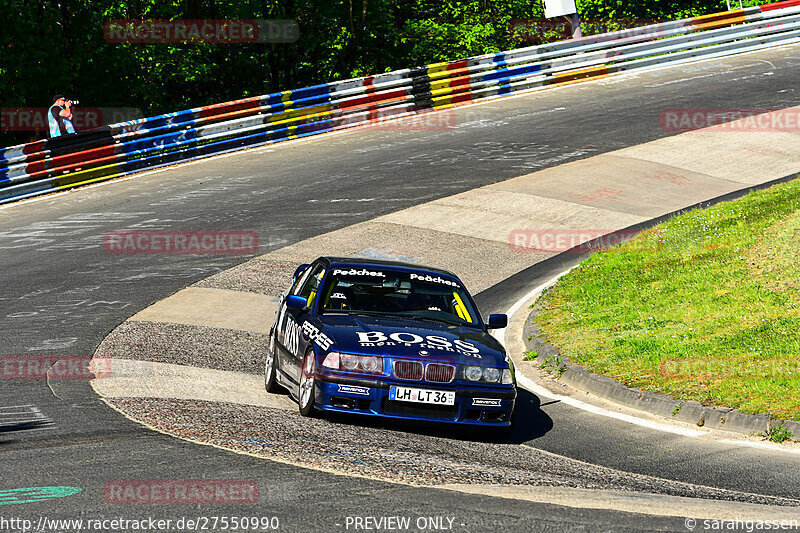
(437, 397)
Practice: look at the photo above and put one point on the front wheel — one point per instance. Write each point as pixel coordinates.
(270, 370)
(307, 385)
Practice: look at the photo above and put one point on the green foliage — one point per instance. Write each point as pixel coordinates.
(554, 365)
(54, 46)
(778, 434)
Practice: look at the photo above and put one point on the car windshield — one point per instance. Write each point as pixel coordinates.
(415, 295)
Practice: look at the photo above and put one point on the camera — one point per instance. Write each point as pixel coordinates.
(74, 102)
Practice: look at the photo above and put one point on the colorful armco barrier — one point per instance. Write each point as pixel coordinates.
(50, 165)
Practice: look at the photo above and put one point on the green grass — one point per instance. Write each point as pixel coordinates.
(553, 365)
(778, 434)
(703, 307)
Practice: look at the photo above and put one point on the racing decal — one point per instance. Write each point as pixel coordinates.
(351, 389)
(461, 309)
(316, 336)
(487, 402)
(358, 272)
(279, 320)
(433, 279)
(338, 296)
(290, 336)
(289, 333)
(317, 280)
(282, 327)
(405, 338)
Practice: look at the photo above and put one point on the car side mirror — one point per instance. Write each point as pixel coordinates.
(296, 303)
(300, 270)
(497, 322)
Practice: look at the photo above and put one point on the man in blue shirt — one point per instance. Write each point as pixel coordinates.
(59, 116)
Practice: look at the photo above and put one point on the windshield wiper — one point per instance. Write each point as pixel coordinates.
(367, 313)
(438, 320)
(390, 314)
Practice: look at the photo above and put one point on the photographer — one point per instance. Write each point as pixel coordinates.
(59, 116)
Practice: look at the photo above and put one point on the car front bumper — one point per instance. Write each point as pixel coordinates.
(475, 406)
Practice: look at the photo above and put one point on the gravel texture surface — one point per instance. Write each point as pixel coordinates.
(262, 275)
(201, 346)
(422, 455)
(418, 454)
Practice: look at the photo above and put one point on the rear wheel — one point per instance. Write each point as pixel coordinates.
(270, 370)
(307, 385)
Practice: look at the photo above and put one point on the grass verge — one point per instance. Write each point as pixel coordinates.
(703, 307)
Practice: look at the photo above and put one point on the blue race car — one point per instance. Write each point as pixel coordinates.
(389, 339)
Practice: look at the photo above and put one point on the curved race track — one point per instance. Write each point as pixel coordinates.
(62, 294)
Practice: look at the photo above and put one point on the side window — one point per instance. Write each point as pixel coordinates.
(301, 279)
(309, 283)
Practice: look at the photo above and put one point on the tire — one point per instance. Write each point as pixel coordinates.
(495, 435)
(501, 434)
(505, 434)
(306, 392)
(270, 366)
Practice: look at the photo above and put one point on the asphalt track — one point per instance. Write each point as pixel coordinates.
(62, 293)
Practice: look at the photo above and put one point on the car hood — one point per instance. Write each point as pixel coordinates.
(413, 339)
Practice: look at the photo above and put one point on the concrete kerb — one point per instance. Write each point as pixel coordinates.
(549, 359)
(662, 405)
(789, 425)
(631, 502)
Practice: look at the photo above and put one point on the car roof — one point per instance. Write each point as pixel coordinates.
(360, 262)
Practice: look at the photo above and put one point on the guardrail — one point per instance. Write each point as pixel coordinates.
(68, 161)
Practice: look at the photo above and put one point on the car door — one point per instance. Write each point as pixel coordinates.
(289, 336)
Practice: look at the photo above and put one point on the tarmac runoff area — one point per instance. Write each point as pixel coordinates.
(189, 365)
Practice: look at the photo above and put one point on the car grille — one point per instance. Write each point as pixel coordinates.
(440, 373)
(408, 370)
(449, 412)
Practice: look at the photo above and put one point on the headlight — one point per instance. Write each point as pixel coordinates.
(492, 375)
(508, 376)
(348, 362)
(473, 373)
(371, 364)
(354, 363)
(331, 360)
(487, 374)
